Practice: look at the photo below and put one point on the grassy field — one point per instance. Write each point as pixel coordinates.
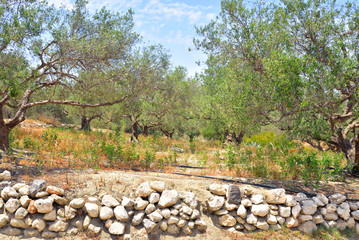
(265, 155)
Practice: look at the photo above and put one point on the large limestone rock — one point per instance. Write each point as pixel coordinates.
(121, 213)
(144, 190)
(106, 213)
(215, 203)
(344, 211)
(158, 186)
(227, 220)
(284, 211)
(140, 204)
(168, 198)
(4, 220)
(149, 225)
(12, 205)
(337, 198)
(217, 189)
(308, 227)
(5, 175)
(109, 201)
(44, 205)
(77, 203)
(9, 192)
(309, 207)
(190, 199)
(257, 198)
(275, 196)
(92, 209)
(37, 186)
(242, 211)
(260, 210)
(117, 228)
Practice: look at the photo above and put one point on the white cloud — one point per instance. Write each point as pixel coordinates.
(64, 3)
(177, 11)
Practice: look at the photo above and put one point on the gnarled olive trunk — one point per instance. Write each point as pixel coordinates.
(234, 137)
(4, 137)
(85, 123)
(134, 135)
(169, 134)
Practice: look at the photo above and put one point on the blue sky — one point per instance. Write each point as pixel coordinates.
(168, 22)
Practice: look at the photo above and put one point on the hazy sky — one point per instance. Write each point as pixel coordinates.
(168, 22)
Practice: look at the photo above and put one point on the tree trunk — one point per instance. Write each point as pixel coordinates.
(4, 137)
(134, 135)
(235, 137)
(145, 130)
(85, 123)
(169, 134)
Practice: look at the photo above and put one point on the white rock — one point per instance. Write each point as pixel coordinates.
(200, 224)
(77, 203)
(92, 209)
(290, 202)
(21, 213)
(18, 223)
(307, 227)
(87, 221)
(262, 224)
(304, 218)
(217, 189)
(127, 202)
(181, 223)
(9, 192)
(25, 190)
(187, 210)
(163, 225)
(318, 219)
(309, 207)
(4, 220)
(331, 216)
(106, 213)
(246, 202)
(275, 196)
(117, 228)
(173, 229)
(251, 219)
(318, 202)
(59, 200)
(323, 198)
(140, 204)
(296, 210)
(158, 186)
(150, 208)
(351, 223)
(249, 227)
(154, 197)
(109, 201)
(291, 222)
(341, 224)
(271, 219)
(144, 190)
(25, 201)
(39, 224)
(337, 198)
(168, 198)
(44, 205)
(215, 203)
(121, 213)
(51, 216)
(149, 225)
(280, 220)
(242, 211)
(227, 220)
(173, 220)
(230, 206)
(70, 212)
(190, 199)
(344, 211)
(137, 218)
(12, 205)
(284, 211)
(155, 216)
(5, 176)
(166, 213)
(355, 215)
(195, 214)
(260, 210)
(93, 230)
(41, 194)
(257, 198)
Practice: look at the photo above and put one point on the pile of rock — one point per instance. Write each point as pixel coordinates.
(273, 209)
(38, 209)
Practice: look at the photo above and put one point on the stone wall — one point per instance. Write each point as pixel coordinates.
(42, 211)
(273, 209)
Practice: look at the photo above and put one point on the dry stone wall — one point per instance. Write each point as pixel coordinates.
(273, 209)
(41, 210)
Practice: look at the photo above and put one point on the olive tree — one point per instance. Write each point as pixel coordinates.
(303, 57)
(44, 51)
